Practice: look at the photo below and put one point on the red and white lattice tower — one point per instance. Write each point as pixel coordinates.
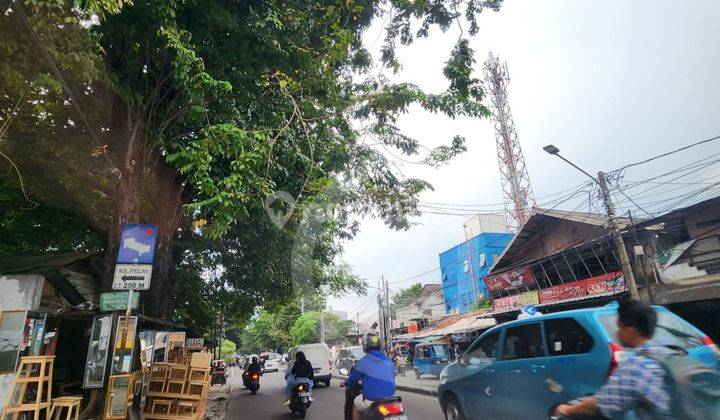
(517, 191)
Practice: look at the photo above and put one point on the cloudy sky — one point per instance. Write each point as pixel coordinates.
(608, 82)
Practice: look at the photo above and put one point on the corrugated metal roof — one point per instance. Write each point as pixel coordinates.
(536, 218)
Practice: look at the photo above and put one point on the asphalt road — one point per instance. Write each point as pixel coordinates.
(328, 405)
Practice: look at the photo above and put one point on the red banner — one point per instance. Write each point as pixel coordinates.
(606, 284)
(514, 302)
(510, 279)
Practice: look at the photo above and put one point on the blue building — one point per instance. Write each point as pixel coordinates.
(459, 264)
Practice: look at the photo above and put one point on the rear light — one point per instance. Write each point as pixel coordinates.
(255, 376)
(390, 409)
(708, 342)
(301, 388)
(617, 356)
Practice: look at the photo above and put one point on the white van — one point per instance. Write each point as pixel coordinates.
(319, 356)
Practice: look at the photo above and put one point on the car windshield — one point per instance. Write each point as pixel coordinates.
(670, 329)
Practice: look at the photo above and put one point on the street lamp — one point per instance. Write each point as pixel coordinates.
(556, 152)
(617, 234)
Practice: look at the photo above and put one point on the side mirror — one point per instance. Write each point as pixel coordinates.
(343, 371)
(462, 360)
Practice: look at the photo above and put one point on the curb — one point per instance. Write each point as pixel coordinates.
(405, 388)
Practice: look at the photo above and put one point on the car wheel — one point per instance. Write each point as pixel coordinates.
(452, 410)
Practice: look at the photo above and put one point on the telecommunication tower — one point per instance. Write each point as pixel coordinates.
(517, 191)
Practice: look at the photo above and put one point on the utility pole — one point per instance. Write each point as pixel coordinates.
(357, 325)
(381, 316)
(322, 327)
(388, 321)
(617, 236)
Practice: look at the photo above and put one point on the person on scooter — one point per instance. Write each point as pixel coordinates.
(638, 383)
(376, 372)
(253, 367)
(299, 371)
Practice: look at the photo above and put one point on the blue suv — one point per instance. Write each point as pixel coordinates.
(524, 368)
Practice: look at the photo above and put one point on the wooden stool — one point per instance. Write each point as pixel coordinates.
(159, 370)
(158, 404)
(178, 372)
(175, 386)
(69, 402)
(187, 408)
(197, 388)
(199, 373)
(156, 385)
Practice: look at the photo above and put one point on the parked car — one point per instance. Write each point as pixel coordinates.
(348, 356)
(319, 356)
(522, 369)
(431, 359)
(273, 362)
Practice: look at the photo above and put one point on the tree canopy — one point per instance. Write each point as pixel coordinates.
(181, 112)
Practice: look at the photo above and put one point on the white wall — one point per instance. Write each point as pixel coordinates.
(22, 291)
(18, 292)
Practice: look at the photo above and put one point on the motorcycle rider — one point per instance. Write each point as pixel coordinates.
(640, 382)
(299, 371)
(253, 367)
(376, 372)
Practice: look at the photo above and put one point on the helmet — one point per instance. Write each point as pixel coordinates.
(371, 341)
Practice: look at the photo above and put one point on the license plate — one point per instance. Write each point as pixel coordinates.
(304, 394)
(316, 370)
(401, 417)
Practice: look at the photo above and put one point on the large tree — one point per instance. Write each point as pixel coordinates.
(172, 111)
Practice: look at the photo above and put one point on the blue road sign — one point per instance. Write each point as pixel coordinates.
(137, 244)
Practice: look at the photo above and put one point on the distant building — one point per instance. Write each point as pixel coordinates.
(469, 262)
(340, 314)
(426, 308)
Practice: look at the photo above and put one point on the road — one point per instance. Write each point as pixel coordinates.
(328, 405)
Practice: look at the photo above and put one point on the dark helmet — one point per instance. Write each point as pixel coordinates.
(371, 341)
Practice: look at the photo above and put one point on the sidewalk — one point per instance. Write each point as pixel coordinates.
(426, 385)
(217, 402)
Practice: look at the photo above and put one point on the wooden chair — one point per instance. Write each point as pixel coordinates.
(72, 403)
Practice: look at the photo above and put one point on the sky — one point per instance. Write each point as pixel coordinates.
(609, 83)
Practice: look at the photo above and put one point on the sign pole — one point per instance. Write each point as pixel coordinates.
(126, 325)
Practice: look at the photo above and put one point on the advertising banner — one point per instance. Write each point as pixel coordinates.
(606, 284)
(515, 302)
(511, 279)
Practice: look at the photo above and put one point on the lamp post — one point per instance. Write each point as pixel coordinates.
(614, 223)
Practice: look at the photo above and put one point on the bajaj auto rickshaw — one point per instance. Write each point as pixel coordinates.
(218, 374)
(431, 359)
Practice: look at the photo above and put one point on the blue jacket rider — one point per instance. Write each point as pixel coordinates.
(377, 373)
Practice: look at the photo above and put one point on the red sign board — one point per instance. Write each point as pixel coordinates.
(606, 284)
(514, 302)
(511, 279)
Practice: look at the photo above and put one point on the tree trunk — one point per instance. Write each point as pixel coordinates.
(169, 216)
(131, 142)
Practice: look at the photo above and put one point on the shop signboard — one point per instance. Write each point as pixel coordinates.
(515, 302)
(117, 301)
(603, 285)
(511, 279)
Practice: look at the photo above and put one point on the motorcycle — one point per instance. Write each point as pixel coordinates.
(219, 375)
(300, 399)
(252, 382)
(388, 408)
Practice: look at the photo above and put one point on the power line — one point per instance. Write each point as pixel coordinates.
(64, 84)
(669, 153)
